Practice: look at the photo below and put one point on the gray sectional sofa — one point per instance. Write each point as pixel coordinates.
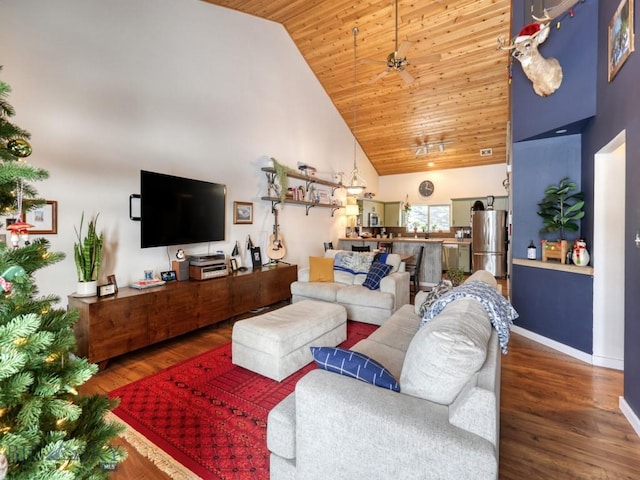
(443, 424)
(362, 304)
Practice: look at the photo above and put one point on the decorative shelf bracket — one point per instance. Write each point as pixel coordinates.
(274, 203)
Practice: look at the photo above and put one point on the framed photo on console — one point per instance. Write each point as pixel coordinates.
(234, 264)
(256, 257)
(111, 279)
(106, 290)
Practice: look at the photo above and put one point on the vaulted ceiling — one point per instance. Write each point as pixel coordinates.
(460, 95)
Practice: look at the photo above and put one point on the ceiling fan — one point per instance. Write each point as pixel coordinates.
(397, 60)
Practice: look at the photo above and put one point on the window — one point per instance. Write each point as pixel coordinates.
(429, 218)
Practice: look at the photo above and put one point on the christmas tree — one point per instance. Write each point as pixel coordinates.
(47, 430)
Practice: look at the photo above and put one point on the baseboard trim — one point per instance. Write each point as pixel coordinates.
(630, 415)
(608, 362)
(573, 352)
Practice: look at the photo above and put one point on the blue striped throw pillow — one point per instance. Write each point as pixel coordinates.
(376, 273)
(355, 365)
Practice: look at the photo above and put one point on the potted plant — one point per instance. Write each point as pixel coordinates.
(455, 276)
(560, 209)
(87, 254)
(282, 176)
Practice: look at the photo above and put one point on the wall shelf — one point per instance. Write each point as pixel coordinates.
(271, 177)
(276, 200)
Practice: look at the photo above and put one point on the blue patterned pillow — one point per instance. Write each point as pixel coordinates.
(355, 365)
(376, 273)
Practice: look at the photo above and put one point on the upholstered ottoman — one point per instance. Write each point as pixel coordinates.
(276, 344)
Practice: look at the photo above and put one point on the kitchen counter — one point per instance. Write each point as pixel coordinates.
(393, 240)
(453, 241)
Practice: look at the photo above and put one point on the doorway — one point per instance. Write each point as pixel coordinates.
(608, 251)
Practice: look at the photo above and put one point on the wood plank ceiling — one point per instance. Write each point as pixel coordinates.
(461, 98)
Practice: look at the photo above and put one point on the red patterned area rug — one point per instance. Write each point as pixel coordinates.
(207, 418)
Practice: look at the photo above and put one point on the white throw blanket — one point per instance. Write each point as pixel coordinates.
(501, 313)
(355, 263)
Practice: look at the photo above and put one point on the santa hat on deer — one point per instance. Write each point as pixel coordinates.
(531, 30)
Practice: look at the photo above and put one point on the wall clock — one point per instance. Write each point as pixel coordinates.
(426, 188)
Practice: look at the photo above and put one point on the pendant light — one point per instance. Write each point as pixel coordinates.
(356, 183)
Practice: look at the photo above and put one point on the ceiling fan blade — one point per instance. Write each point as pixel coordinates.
(378, 76)
(406, 76)
(373, 61)
(403, 48)
(431, 58)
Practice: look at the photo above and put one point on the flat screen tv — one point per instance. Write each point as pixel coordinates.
(178, 211)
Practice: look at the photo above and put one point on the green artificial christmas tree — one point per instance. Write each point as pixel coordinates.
(47, 430)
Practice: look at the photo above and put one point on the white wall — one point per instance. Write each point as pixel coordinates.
(175, 86)
(608, 247)
(452, 183)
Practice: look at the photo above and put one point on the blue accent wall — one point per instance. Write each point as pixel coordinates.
(617, 108)
(554, 304)
(573, 44)
(536, 165)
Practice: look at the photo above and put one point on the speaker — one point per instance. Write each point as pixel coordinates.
(182, 270)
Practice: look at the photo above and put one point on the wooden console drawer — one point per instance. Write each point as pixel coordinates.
(132, 319)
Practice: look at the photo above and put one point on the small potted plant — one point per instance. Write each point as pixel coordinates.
(560, 210)
(282, 177)
(455, 276)
(87, 254)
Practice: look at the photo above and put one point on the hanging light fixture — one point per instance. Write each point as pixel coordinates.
(426, 148)
(356, 183)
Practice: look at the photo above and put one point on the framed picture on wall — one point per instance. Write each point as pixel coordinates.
(43, 218)
(242, 212)
(621, 37)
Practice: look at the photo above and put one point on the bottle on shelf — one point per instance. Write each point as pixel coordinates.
(531, 251)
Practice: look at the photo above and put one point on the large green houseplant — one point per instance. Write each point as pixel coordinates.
(87, 254)
(561, 209)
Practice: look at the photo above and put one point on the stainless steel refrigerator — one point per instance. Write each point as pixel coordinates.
(489, 241)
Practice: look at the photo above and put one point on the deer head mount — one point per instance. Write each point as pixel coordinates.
(544, 73)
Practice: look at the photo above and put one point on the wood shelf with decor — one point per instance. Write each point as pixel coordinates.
(271, 177)
(132, 319)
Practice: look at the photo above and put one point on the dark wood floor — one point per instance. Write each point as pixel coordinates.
(559, 417)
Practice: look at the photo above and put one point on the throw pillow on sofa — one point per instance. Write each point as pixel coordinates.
(376, 273)
(320, 269)
(446, 352)
(355, 365)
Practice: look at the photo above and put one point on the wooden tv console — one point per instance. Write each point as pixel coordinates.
(132, 319)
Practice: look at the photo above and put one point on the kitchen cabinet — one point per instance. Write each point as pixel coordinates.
(456, 256)
(464, 257)
(371, 206)
(461, 208)
(460, 212)
(393, 216)
(501, 203)
(449, 256)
